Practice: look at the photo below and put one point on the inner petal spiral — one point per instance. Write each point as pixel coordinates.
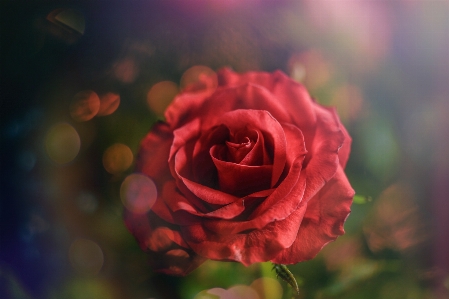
(236, 152)
(242, 162)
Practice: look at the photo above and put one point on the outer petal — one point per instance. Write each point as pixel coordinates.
(255, 246)
(168, 252)
(322, 160)
(227, 77)
(242, 96)
(152, 159)
(323, 221)
(184, 108)
(178, 261)
(291, 95)
(287, 100)
(343, 153)
(144, 230)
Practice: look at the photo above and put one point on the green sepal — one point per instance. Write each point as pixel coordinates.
(284, 273)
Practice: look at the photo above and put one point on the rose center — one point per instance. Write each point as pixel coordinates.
(240, 145)
(242, 162)
(236, 152)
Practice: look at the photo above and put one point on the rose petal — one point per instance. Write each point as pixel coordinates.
(168, 252)
(206, 174)
(183, 108)
(207, 194)
(241, 180)
(270, 128)
(343, 153)
(255, 246)
(182, 169)
(152, 159)
(225, 100)
(241, 97)
(281, 201)
(181, 136)
(292, 95)
(144, 230)
(322, 159)
(295, 98)
(287, 198)
(177, 261)
(323, 221)
(177, 202)
(247, 148)
(228, 78)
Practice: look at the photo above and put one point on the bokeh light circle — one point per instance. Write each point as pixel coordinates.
(199, 78)
(242, 291)
(85, 105)
(86, 256)
(138, 193)
(117, 158)
(211, 294)
(267, 288)
(311, 68)
(85, 287)
(109, 102)
(62, 143)
(234, 292)
(160, 95)
(126, 70)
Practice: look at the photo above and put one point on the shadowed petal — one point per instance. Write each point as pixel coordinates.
(255, 246)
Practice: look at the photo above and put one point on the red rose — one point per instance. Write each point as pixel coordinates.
(251, 171)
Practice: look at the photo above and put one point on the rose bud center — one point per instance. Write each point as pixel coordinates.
(242, 162)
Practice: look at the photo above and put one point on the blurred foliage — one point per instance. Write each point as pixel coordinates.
(383, 64)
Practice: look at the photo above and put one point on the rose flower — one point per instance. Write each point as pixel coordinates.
(250, 171)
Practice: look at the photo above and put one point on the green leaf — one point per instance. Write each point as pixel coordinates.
(361, 199)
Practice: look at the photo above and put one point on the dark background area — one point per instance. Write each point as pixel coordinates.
(383, 64)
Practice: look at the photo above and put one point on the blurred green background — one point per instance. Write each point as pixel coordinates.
(383, 64)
